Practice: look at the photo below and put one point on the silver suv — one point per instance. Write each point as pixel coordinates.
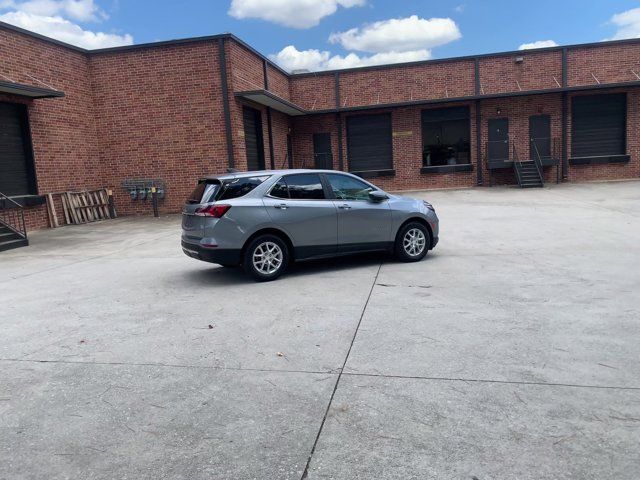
(264, 220)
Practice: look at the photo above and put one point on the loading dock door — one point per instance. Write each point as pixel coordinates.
(16, 164)
(369, 143)
(253, 139)
(599, 125)
(498, 139)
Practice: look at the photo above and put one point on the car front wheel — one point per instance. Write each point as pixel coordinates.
(412, 242)
(266, 258)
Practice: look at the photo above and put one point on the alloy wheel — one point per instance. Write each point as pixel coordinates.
(414, 242)
(267, 258)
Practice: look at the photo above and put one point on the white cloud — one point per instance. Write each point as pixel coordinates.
(290, 58)
(538, 44)
(290, 13)
(627, 23)
(460, 8)
(81, 10)
(399, 35)
(65, 31)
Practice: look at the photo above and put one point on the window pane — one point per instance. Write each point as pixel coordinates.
(347, 188)
(280, 189)
(239, 187)
(305, 187)
(446, 135)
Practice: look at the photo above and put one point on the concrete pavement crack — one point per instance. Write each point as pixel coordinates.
(486, 380)
(331, 373)
(305, 473)
(171, 365)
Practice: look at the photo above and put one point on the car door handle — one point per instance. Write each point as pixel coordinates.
(344, 206)
(282, 206)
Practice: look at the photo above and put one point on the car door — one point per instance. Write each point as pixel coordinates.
(362, 223)
(298, 204)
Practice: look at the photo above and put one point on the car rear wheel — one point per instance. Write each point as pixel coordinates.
(412, 242)
(266, 258)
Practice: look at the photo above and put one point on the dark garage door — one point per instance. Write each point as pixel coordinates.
(599, 124)
(369, 143)
(253, 140)
(16, 165)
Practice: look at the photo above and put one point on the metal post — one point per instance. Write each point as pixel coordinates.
(154, 201)
(112, 208)
(565, 116)
(225, 102)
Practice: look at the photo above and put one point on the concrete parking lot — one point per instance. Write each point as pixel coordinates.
(510, 352)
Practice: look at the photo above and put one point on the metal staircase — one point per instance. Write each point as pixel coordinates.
(13, 233)
(529, 172)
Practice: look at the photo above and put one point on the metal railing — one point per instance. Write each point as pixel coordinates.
(516, 162)
(12, 215)
(537, 159)
(552, 145)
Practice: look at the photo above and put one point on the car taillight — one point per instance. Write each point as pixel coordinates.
(215, 211)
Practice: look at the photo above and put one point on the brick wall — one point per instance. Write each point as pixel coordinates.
(608, 64)
(62, 129)
(518, 110)
(407, 148)
(405, 84)
(157, 112)
(313, 92)
(159, 115)
(537, 71)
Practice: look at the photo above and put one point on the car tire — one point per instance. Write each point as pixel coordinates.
(275, 254)
(412, 242)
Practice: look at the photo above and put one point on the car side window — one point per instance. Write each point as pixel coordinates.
(348, 188)
(280, 189)
(305, 186)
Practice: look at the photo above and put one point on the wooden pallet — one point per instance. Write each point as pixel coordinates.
(80, 207)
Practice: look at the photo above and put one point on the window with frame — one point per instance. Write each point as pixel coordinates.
(599, 125)
(348, 188)
(304, 186)
(446, 136)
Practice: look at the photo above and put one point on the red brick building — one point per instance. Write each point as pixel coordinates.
(171, 112)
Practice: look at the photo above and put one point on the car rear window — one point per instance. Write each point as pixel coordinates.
(204, 192)
(239, 187)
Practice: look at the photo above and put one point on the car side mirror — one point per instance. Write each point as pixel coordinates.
(377, 196)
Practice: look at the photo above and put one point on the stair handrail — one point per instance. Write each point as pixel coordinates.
(537, 159)
(516, 162)
(13, 217)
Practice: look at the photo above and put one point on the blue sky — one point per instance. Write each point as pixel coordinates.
(334, 33)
